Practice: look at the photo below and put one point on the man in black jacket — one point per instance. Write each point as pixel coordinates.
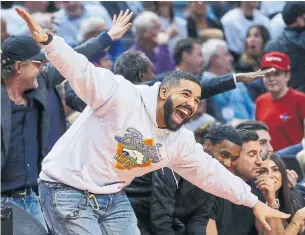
(25, 115)
(292, 42)
(164, 207)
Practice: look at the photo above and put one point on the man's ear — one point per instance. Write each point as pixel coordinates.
(164, 93)
(141, 76)
(207, 146)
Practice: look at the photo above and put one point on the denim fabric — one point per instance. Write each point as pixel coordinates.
(30, 204)
(67, 211)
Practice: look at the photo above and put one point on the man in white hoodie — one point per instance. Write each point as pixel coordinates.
(83, 176)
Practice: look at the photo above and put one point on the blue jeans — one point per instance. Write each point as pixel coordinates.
(30, 204)
(68, 210)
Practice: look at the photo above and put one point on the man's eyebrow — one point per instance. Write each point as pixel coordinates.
(187, 90)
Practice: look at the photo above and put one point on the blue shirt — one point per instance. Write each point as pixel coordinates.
(22, 166)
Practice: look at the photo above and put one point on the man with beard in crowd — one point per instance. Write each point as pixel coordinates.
(125, 131)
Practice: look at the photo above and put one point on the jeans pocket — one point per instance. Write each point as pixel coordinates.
(70, 203)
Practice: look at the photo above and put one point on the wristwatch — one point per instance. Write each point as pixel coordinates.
(276, 205)
(50, 37)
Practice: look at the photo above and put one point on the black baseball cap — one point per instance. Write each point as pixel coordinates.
(21, 48)
(292, 11)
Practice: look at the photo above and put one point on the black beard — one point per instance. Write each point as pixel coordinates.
(168, 110)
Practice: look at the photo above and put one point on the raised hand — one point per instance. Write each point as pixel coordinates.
(120, 25)
(252, 76)
(37, 32)
(263, 212)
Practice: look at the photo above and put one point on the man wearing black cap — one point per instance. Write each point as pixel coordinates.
(292, 42)
(25, 115)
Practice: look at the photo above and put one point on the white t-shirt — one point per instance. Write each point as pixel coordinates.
(236, 25)
(277, 26)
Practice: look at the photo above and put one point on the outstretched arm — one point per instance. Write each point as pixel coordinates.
(93, 85)
(216, 85)
(202, 170)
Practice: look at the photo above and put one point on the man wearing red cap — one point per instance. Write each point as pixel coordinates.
(281, 108)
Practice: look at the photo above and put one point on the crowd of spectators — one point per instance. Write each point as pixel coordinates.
(256, 129)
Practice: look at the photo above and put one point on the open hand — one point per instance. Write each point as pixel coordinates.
(252, 76)
(37, 32)
(263, 212)
(120, 25)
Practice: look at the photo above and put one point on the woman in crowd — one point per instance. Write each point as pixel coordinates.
(257, 37)
(279, 196)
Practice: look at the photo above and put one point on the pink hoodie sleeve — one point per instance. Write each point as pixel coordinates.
(210, 175)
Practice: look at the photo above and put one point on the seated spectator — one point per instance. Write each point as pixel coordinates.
(282, 108)
(90, 28)
(154, 43)
(231, 104)
(262, 131)
(257, 37)
(227, 218)
(163, 208)
(237, 22)
(273, 183)
(167, 17)
(292, 42)
(132, 65)
(69, 18)
(198, 20)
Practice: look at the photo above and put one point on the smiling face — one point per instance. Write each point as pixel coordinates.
(180, 103)
(272, 170)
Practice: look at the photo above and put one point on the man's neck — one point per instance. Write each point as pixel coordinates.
(279, 95)
(146, 46)
(185, 68)
(217, 71)
(247, 10)
(14, 89)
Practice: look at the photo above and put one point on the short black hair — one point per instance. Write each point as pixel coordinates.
(252, 126)
(183, 45)
(219, 133)
(130, 64)
(247, 135)
(173, 79)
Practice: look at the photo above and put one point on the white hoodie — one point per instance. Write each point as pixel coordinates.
(116, 137)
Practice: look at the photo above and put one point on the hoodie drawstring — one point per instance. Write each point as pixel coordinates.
(164, 146)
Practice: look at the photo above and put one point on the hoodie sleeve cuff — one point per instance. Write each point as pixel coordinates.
(53, 45)
(251, 200)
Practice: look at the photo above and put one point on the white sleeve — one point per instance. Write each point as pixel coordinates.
(233, 38)
(210, 175)
(95, 86)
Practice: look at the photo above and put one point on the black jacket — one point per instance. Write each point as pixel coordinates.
(47, 80)
(292, 42)
(165, 209)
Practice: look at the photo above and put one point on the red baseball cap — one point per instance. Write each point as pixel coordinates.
(277, 60)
